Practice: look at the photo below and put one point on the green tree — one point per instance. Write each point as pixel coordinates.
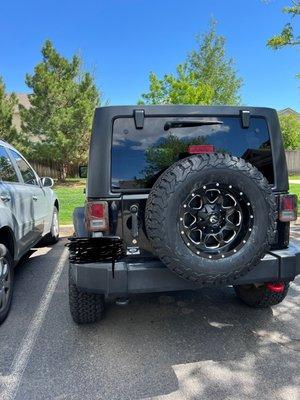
(206, 77)
(164, 154)
(62, 102)
(287, 36)
(8, 132)
(290, 128)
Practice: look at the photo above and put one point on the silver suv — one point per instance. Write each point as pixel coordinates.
(28, 213)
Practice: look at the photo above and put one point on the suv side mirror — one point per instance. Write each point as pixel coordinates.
(47, 182)
(83, 171)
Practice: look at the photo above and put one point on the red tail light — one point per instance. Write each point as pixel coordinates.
(277, 287)
(287, 207)
(201, 149)
(96, 217)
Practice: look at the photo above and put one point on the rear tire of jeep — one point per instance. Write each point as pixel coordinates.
(85, 308)
(260, 296)
(211, 218)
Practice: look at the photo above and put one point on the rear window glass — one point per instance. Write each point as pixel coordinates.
(139, 156)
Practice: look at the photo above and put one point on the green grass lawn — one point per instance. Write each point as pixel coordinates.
(295, 189)
(69, 196)
(294, 177)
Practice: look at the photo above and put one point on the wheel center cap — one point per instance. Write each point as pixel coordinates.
(213, 219)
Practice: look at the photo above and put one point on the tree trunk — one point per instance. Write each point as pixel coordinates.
(62, 172)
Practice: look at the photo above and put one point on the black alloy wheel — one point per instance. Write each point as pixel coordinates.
(215, 220)
(6, 282)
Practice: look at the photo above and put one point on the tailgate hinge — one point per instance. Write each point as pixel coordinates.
(139, 116)
(245, 117)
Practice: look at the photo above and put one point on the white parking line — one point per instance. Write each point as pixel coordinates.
(12, 381)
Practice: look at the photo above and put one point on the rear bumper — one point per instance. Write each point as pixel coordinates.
(153, 276)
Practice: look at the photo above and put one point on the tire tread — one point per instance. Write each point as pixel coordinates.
(166, 185)
(85, 307)
(261, 299)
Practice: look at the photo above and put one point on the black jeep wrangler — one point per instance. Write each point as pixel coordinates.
(180, 197)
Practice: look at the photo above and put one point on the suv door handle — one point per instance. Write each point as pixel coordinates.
(5, 198)
(34, 198)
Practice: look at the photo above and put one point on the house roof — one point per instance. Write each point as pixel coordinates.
(287, 111)
(23, 99)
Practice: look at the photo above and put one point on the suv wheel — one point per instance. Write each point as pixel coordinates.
(53, 236)
(6, 282)
(261, 296)
(85, 308)
(211, 218)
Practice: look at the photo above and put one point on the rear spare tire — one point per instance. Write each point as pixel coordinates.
(211, 218)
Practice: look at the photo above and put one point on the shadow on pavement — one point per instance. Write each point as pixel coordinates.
(194, 345)
(183, 345)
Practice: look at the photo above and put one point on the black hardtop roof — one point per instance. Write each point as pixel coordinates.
(99, 172)
(189, 109)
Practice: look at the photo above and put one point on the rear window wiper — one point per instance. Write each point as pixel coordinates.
(188, 124)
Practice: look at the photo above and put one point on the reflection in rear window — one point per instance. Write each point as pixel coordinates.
(139, 156)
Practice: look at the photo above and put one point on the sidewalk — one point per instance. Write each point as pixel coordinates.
(296, 223)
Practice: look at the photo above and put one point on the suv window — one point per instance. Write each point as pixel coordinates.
(139, 156)
(27, 172)
(7, 171)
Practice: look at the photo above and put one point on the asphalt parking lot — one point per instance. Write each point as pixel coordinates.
(189, 345)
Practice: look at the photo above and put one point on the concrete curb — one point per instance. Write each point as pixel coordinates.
(296, 223)
(66, 230)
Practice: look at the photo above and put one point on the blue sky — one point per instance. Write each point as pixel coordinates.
(123, 40)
